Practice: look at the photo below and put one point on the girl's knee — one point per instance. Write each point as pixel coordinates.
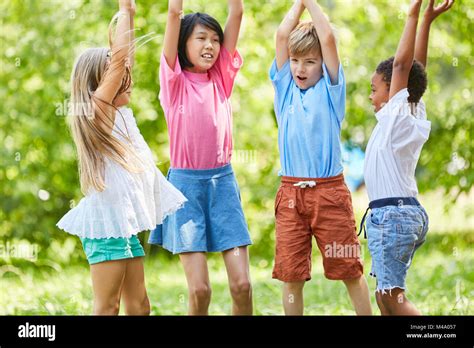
(201, 292)
(241, 288)
(139, 307)
(107, 307)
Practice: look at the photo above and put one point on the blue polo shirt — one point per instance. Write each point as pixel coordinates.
(309, 124)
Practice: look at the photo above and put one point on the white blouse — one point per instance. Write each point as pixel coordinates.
(131, 202)
(394, 149)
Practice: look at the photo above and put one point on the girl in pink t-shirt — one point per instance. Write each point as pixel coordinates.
(197, 73)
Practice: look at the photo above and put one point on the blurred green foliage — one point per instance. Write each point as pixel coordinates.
(40, 39)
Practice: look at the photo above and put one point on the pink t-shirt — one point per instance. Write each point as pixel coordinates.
(199, 113)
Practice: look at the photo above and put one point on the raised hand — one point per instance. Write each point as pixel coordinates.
(406, 50)
(431, 12)
(232, 27)
(286, 27)
(127, 6)
(326, 38)
(173, 27)
(120, 64)
(414, 9)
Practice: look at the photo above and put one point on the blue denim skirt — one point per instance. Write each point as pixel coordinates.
(212, 220)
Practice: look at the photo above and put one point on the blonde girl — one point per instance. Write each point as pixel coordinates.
(124, 191)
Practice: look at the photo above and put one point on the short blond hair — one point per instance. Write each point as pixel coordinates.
(303, 39)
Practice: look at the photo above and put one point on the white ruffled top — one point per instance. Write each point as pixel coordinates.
(131, 203)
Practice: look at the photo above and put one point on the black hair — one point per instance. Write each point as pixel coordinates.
(187, 26)
(417, 80)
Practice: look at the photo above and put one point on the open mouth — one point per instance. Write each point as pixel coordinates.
(302, 79)
(207, 56)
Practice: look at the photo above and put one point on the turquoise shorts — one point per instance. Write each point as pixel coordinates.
(109, 249)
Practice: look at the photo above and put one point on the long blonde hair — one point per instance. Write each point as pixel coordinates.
(92, 136)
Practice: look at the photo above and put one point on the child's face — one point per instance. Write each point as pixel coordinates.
(380, 91)
(202, 49)
(306, 69)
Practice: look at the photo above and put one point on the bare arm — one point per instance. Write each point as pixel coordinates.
(326, 39)
(173, 25)
(405, 51)
(120, 47)
(132, 38)
(284, 30)
(232, 27)
(431, 13)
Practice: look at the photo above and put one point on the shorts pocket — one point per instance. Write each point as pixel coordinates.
(406, 240)
(278, 198)
(378, 218)
(343, 197)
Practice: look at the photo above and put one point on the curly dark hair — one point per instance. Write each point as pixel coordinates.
(417, 81)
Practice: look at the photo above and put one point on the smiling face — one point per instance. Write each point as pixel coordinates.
(306, 69)
(380, 91)
(202, 49)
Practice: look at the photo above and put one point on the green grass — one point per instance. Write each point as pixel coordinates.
(440, 282)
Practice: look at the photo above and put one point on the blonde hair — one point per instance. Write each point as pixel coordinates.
(303, 39)
(92, 135)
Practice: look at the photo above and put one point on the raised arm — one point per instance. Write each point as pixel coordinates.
(431, 13)
(406, 51)
(326, 39)
(284, 30)
(131, 55)
(120, 47)
(173, 25)
(232, 26)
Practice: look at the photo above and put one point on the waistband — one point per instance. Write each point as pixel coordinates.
(312, 182)
(400, 201)
(212, 173)
(384, 202)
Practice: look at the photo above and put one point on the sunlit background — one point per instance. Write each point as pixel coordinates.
(43, 270)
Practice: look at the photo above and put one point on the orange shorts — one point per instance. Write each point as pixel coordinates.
(321, 208)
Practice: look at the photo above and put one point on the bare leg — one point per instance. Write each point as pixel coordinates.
(237, 264)
(107, 279)
(133, 290)
(293, 298)
(359, 294)
(383, 310)
(199, 287)
(397, 304)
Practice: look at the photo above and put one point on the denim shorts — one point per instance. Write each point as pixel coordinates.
(212, 219)
(110, 249)
(394, 233)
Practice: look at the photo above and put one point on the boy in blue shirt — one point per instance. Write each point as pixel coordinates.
(313, 199)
